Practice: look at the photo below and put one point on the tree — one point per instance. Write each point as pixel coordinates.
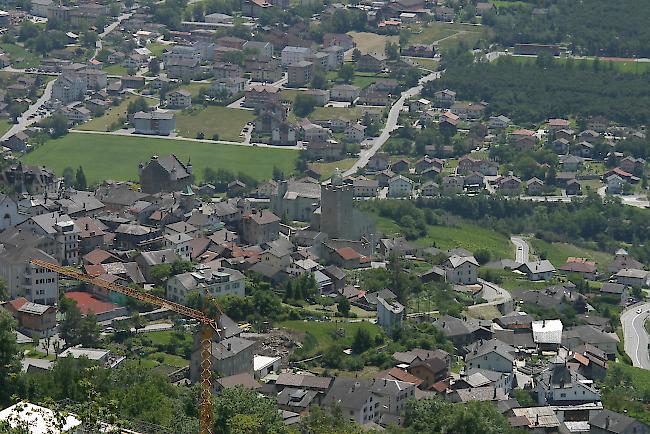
(343, 306)
(240, 410)
(71, 324)
(154, 66)
(328, 421)
(10, 356)
(278, 174)
(434, 415)
(137, 105)
(303, 105)
(58, 125)
(319, 81)
(160, 273)
(80, 179)
(482, 256)
(361, 341)
(89, 331)
(392, 51)
(68, 176)
(89, 38)
(346, 73)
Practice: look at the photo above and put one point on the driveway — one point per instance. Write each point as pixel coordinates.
(635, 335)
(522, 252)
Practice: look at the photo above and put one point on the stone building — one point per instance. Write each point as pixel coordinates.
(165, 174)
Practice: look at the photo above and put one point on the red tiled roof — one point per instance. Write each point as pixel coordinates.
(18, 302)
(87, 303)
(97, 256)
(94, 270)
(348, 253)
(440, 386)
(401, 375)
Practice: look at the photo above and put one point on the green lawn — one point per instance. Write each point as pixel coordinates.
(157, 49)
(4, 126)
(425, 63)
(112, 114)
(115, 69)
(372, 42)
(365, 79)
(469, 236)
(195, 88)
(29, 60)
(326, 169)
(116, 157)
(164, 337)
(433, 32)
(169, 359)
(226, 122)
(321, 335)
(557, 253)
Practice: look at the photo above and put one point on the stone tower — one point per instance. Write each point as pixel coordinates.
(337, 201)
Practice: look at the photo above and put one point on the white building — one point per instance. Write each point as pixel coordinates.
(179, 99)
(206, 280)
(61, 229)
(39, 420)
(492, 355)
(36, 284)
(180, 243)
(461, 270)
(295, 54)
(400, 186)
(68, 89)
(155, 123)
(389, 314)
(9, 216)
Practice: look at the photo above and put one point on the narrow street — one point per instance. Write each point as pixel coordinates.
(522, 249)
(391, 123)
(25, 120)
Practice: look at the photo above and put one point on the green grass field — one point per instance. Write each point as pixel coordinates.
(29, 60)
(157, 49)
(620, 65)
(372, 42)
(4, 126)
(425, 63)
(557, 253)
(112, 114)
(445, 35)
(115, 69)
(326, 169)
(322, 335)
(469, 236)
(116, 157)
(224, 121)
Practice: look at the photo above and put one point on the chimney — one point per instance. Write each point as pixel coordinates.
(162, 259)
(229, 346)
(495, 393)
(537, 419)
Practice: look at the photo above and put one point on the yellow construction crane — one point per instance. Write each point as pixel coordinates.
(208, 329)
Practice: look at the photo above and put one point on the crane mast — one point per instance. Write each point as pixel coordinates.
(209, 327)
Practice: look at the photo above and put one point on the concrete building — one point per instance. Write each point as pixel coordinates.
(389, 314)
(400, 186)
(260, 226)
(179, 99)
(59, 228)
(492, 355)
(156, 123)
(296, 200)
(205, 280)
(300, 73)
(230, 356)
(461, 270)
(264, 50)
(295, 54)
(36, 284)
(337, 204)
(68, 89)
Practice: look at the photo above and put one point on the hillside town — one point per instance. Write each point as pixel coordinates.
(315, 217)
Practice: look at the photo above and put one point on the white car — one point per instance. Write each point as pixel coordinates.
(639, 311)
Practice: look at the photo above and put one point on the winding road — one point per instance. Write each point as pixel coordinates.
(635, 335)
(522, 252)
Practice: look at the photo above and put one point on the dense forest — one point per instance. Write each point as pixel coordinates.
(581, 25)
(548, 88)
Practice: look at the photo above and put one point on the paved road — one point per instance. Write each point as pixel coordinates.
(522, 252)
(366, 154)
(24, 121)
(493, 293)
(637, 200)
(636, 336)
(109, 29)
